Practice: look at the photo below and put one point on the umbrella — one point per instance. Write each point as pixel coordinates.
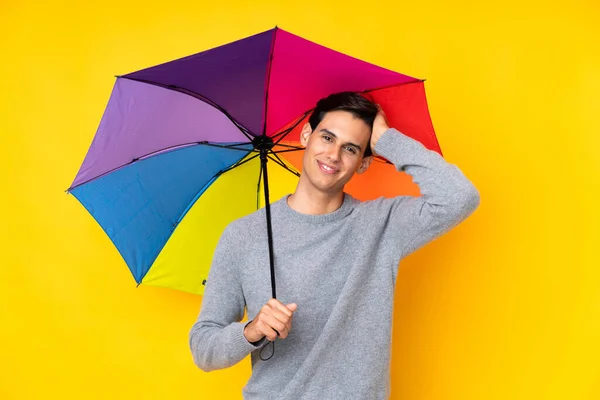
(185, 147)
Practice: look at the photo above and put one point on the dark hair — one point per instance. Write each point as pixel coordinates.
(352, 102)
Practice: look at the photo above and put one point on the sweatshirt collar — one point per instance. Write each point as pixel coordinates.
(292, 215)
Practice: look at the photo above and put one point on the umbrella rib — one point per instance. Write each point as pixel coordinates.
(245, 131)
(289, 146)
(237, 164)
(288, 150)
(229, 147)
(291, 128)
(282, 163)
(207, 184)
(393, 85)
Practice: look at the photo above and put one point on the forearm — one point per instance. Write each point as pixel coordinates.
(442, 185)
(447, 195)
(215, 347)
(217, 338)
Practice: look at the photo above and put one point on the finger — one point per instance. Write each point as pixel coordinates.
(279, 327)
(262, 321)
(268, 333)
(285, 332)
(283, 318)
(265, 330)
(277, 305)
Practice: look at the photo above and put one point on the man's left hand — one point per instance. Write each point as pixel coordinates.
(380, 125)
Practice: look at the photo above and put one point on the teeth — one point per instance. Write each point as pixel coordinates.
(326, 168)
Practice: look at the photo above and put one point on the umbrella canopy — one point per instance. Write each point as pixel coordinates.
(182, 147)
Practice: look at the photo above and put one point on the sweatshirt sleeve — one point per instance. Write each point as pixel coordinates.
(447, 196)
(217, 337)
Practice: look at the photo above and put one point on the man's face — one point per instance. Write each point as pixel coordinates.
(334, 150)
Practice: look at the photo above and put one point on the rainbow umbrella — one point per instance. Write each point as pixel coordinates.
(183, 147)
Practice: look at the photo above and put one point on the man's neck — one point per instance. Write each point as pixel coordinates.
(315, 202)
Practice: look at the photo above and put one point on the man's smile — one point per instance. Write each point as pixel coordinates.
(328, 169)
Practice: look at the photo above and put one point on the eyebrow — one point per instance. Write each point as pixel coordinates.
(335, 136)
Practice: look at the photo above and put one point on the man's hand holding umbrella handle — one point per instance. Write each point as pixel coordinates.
(274, 319)
(380, 125)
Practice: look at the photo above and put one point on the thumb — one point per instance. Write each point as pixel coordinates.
(292, 306)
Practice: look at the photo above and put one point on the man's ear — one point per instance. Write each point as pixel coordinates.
(366, 161)
(305, 133)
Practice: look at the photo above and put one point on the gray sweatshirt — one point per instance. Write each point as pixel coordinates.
(340, 269)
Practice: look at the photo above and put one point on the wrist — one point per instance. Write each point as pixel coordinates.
(250, 337)
(376, 135)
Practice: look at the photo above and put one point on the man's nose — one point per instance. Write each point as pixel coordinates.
(333, 153)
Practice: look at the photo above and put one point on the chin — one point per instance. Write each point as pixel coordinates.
(325, 185)
(330, 190)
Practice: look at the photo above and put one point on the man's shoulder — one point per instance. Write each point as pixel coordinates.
(246, 226)
(249, 221)
(254, 225)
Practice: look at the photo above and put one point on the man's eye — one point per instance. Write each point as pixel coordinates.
(351, 150)
(328, 138)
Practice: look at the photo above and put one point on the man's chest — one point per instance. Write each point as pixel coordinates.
(311, 266)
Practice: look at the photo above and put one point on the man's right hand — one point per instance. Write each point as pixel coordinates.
(273, 317)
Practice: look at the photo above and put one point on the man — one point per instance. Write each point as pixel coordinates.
(336, 261)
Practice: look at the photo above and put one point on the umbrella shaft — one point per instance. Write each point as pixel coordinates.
(263, 163)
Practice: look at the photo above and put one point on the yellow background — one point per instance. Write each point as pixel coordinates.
(506, 306)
